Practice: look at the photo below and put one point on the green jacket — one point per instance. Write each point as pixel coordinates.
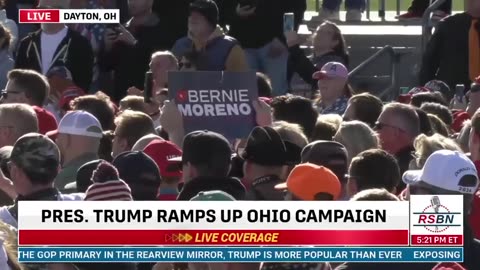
(69, 171)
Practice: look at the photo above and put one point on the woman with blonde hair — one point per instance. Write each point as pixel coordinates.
(426, 145)
(357, 137)
(8, 248)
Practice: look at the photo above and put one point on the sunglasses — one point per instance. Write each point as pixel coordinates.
(4, 94)
(380, 126)
(185, 65)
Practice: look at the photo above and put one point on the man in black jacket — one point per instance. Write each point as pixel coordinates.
(452, 53)
(57, 45)
(206, 160)
(128, 47)
(267, 158)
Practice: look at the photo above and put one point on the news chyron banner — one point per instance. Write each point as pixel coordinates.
(107, 16)
(242, 231)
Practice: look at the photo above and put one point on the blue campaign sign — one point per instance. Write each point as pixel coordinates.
(215, 100)
(239, 254)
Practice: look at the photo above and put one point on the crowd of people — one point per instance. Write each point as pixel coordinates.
(75, 125)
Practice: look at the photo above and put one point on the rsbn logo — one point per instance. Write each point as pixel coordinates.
(436, 217)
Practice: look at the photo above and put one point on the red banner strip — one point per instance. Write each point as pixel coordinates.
(39, 15)
(437, 240)
(213, 237)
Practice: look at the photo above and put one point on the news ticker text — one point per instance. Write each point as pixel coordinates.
(236, 254)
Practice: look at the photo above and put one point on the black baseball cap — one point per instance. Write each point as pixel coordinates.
(205, 147)
(137, 167)
(140, 172)
(266, 147)
(330, 154)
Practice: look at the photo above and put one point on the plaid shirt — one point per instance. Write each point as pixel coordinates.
(338, 107)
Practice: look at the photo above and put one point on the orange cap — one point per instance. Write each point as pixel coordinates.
(307, 180)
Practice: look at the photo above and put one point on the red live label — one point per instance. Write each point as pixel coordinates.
(39, 15)
(437, 240)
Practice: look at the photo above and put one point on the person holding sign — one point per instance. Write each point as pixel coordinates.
(217, 51)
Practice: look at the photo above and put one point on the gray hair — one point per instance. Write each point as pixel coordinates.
(291, 132)
(167, 54)
(410, 121)
(21, 117)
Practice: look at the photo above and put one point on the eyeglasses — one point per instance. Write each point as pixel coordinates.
(380, 126)
(185, 65)
(4, 93)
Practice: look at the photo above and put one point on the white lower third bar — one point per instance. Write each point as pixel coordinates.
(89, 16)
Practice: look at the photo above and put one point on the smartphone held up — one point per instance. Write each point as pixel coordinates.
(148, 87)
(460, 92)
(288, 22)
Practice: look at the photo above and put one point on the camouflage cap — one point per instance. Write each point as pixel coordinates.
(36, 153)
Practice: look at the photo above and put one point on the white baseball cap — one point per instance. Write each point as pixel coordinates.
(80, 123)
(446, 169)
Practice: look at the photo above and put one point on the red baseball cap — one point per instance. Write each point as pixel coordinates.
(46, 120)
(68, 95)
(459, 118)
(407, 98)
(162, 152)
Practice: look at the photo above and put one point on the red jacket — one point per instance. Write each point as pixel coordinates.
(46, 120)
